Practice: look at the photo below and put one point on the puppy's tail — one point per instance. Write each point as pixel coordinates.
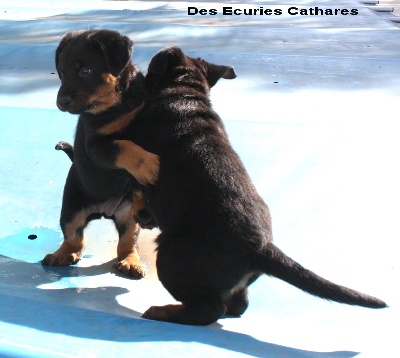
(276, 263)
(67, 148)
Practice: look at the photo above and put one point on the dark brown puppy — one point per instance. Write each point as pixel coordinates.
(216, 234)
(99, 82)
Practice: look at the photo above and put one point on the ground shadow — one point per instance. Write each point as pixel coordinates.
(21, 302)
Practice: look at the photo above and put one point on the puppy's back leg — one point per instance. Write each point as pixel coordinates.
(74, 219)
(129, 262)
(199, 307)
(237, 304)
(73, 243)
(238, 301)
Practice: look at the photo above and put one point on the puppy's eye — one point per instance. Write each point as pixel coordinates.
(84, 72)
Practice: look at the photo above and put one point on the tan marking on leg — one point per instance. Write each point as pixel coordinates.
(106, 95)
(147, 248)
(73, 244)
(128, 257)
(143, 165)
(138, 203)
(146, 241)
(120, 123)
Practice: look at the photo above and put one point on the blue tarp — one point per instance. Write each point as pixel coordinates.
(313, 115)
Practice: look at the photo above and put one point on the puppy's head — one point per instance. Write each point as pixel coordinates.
(89, 64)
(171, 65)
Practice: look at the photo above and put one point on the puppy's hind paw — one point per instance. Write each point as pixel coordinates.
(133, 271)
(157, 313)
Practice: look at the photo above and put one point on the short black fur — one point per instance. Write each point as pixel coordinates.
(216, 236)
(100, 83)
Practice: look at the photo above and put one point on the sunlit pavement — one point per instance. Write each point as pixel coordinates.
(313, 115)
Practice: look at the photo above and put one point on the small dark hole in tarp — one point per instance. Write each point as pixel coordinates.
(32, 237)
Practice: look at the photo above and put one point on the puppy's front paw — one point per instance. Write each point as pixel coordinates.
(148, 169)
(131, 269)
(60, 260)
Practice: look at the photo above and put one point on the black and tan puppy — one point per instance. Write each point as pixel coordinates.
(99, 82)
(216, 234)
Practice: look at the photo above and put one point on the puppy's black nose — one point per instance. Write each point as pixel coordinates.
(63, 102)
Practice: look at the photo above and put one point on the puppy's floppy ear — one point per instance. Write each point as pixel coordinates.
(167, 57)
(117, 49)
(215, 72)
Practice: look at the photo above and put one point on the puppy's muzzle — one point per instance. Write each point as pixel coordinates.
(72, 102)
(63, 102)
